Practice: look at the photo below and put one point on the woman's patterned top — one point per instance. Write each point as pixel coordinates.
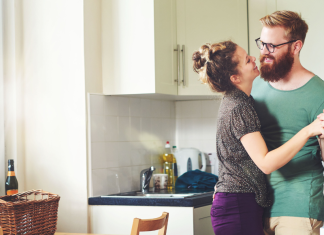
(237, 172)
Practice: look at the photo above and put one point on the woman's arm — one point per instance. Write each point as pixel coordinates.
(267, 161)
(321, 142)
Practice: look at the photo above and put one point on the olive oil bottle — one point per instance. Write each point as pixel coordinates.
(170, 166)
(11, 182)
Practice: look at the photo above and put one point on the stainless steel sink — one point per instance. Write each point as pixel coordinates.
(152, 195)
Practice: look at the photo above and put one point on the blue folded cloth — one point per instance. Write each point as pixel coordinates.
(196, 179)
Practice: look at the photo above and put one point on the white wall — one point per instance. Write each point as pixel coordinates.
(2, 150)
(45, 102)
(11, 47)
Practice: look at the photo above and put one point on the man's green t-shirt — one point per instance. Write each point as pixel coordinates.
(296, 188)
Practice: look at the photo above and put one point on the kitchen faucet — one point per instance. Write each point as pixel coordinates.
(146, 175)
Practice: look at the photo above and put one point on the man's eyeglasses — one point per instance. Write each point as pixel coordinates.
(270, 46)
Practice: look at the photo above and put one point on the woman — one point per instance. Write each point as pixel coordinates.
(243, 155)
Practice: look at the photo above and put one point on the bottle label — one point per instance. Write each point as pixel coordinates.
(11, 173)
(12, 191)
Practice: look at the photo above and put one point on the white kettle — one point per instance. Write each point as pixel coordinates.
(188, 159)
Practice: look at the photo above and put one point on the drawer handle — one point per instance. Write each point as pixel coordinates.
(183, 66)
(178, 54)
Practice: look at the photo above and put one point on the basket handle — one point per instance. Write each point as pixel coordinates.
(2, 202)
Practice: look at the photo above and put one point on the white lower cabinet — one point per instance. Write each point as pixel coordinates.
(202, 221)
(119, 219)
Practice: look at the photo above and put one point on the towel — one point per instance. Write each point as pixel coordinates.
(196, 179)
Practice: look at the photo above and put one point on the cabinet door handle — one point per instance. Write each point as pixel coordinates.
(183, 66)
(178, 54)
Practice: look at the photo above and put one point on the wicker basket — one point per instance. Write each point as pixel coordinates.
(30, 212)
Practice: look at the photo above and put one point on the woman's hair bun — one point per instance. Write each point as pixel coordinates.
(215, 63)
(218, 47)
(198, 61)
(196, 56)
(205, 51)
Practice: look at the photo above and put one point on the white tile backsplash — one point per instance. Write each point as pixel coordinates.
(98, 154)
(112, 131)
(146, 108)
(104, 155)
(135, 171)
(172, 109)
(111, 154)
(98, 104)
(113, 181)
(98, 128)
(178, 109)
(156, 108)
(145, 128)
(209, 146)
(165, 110)
(135, 128)
(198, 144)
(210, 108)
(136, 154)
(140, 155)
(100, 182)
(196, 124)
(135, 107)
(125, 178)
(191, 109)
(110, 105)
(124, 129)
(129, 134)
(208, 126)
(123, 106)
(124, 153)
(156, 128)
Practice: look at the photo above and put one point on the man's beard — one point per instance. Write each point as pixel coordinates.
(279, 68)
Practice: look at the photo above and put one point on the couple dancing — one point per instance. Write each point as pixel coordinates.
(270, 138)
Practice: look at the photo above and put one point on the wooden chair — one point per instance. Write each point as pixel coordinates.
(143, 225)
(1, 232)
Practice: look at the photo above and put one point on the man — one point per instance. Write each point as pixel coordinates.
(287, 98)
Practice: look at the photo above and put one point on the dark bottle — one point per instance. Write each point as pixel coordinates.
(11, 182)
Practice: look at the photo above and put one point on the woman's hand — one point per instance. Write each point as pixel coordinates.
(215, 188)
(321, 140)
(320, 117)
(317, 126)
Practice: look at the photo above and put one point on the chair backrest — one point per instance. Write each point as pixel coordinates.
(143, 225)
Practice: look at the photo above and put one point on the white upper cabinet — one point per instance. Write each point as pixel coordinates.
(140, 40)
(207, 21)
